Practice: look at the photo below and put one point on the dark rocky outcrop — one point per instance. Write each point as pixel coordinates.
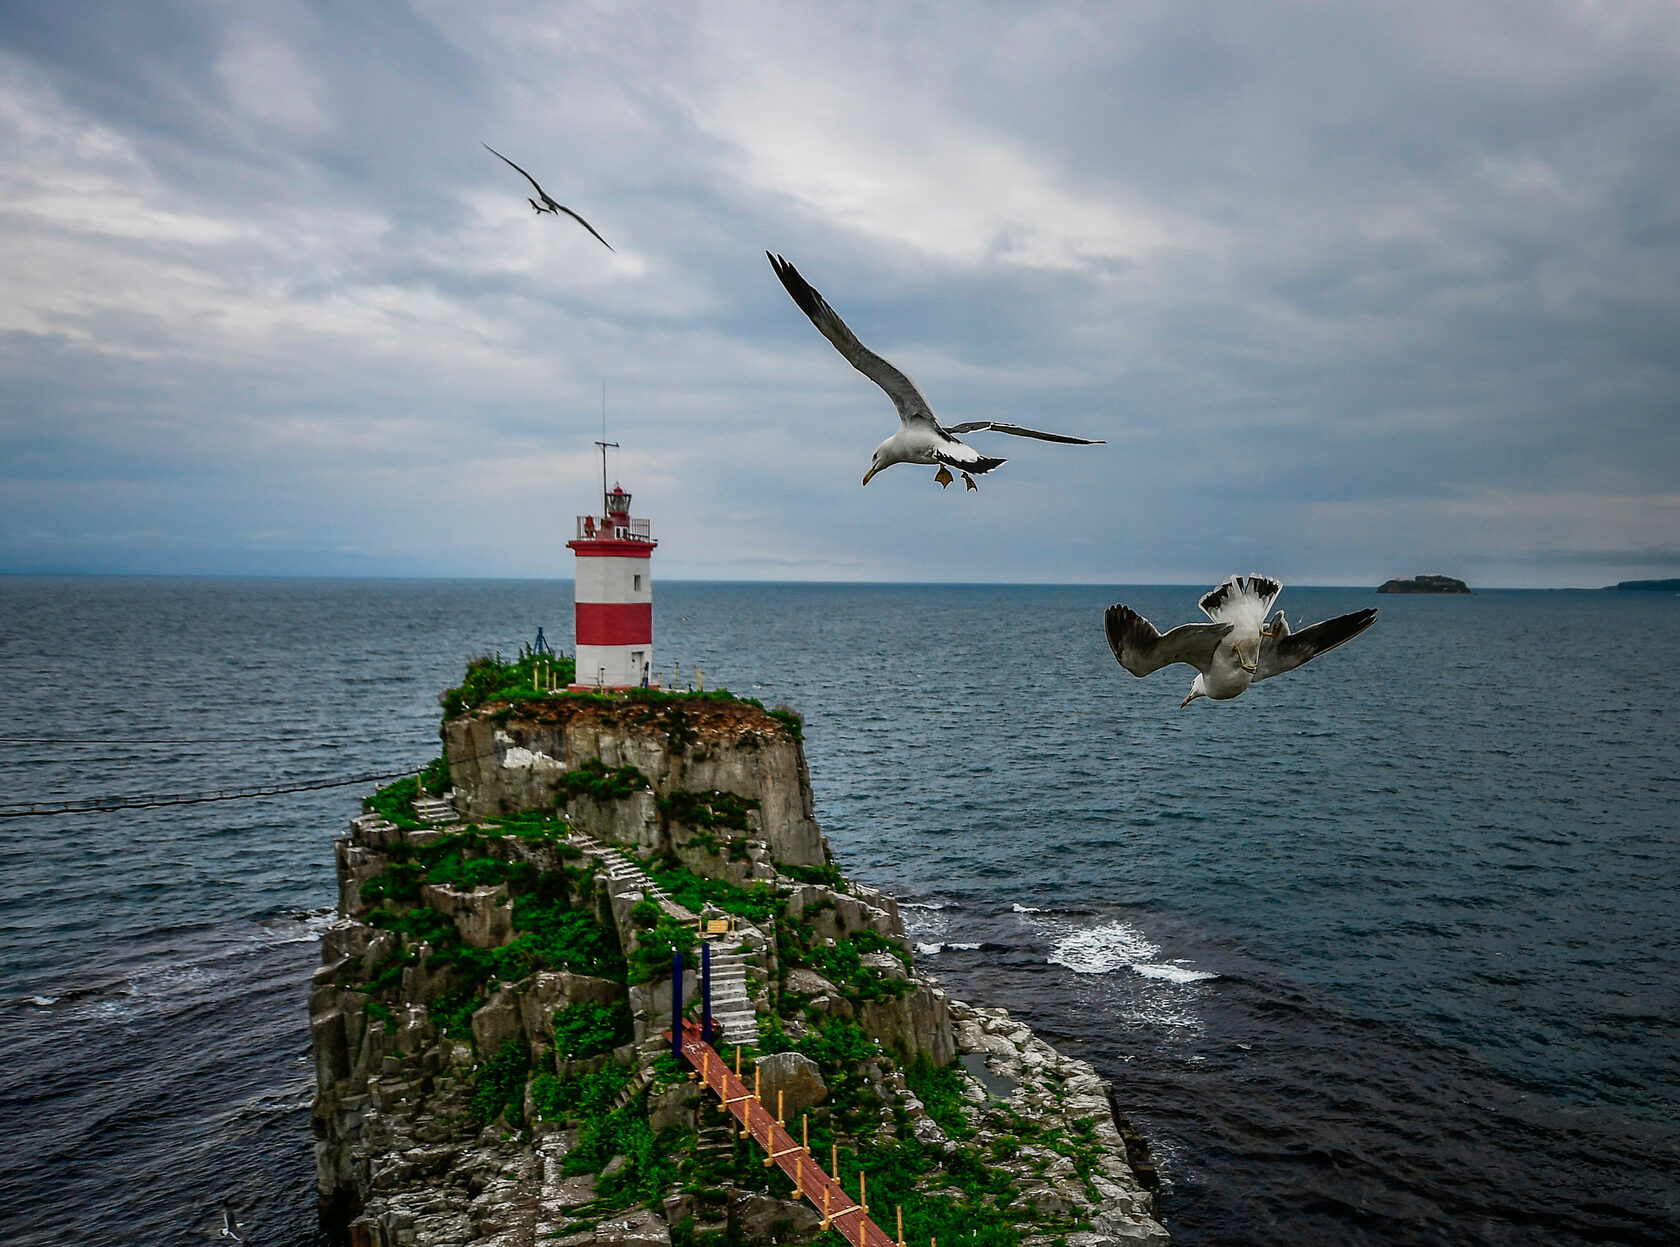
(1424, 584)
(487, 980)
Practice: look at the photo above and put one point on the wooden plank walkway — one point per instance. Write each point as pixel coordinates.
(808, 1176)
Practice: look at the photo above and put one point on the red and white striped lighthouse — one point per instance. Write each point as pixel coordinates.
(614, 596)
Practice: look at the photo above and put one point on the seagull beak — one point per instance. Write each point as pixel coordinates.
(1187, 701)
(873, 468)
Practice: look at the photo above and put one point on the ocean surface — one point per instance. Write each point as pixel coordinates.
(1385, 952)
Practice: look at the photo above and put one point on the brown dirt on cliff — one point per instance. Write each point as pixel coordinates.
(695, 719)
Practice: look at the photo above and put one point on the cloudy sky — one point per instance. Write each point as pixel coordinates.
(1350, 292)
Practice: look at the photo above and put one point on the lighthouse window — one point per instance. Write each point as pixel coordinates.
(638, 584)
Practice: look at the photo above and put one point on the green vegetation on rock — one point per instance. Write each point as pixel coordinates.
(499, 1088)
(757, 902)
(593, 779)
(707, 809)
(586, 1030)
(490, 677)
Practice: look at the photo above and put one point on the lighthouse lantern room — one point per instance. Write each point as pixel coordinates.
(613, 595)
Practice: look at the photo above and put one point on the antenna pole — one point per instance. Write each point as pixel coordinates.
(603, 446)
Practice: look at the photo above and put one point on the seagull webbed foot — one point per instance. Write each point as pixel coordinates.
(944, 477)
(968, 482)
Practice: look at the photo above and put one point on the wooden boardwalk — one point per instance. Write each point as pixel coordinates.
(824, 1192)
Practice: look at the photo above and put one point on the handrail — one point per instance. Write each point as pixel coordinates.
(825, 1192)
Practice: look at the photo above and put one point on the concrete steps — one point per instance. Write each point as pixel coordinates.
(732, 1004)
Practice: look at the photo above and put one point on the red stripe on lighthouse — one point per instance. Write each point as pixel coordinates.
(614, 623)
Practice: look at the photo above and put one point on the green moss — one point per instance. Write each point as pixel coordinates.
(489, 678)
(451, 1011)
(555, 936)
(585, 1030)
(593, 779)
(500, 1085)
(656, 948)
(395, 802)
(756, 902)
(829, 876)
(579, 1097)
(940, 1089)
(707, 809)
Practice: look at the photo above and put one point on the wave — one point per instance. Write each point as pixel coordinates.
(1025, 909)
(1115, 946)
(1172, 973)
(1098, 950)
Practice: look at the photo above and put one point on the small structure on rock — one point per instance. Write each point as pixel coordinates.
(613, 593)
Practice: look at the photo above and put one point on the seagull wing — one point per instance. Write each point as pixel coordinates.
(526, 176)
(553, 204)
(1285, 653)
(981, 426)
(1140, 649)
(912, 407)
(586, 225)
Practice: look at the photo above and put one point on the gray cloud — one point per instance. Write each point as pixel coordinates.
(1350, 292)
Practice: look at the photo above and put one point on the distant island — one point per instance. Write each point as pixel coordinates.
(1425, 584)
(1650, 586)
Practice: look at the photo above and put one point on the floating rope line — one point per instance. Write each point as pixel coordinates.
(99, 805)
(162, 740)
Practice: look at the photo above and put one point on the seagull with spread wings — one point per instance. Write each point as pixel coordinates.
(548, 204)
(920, 437)
(1238, 648)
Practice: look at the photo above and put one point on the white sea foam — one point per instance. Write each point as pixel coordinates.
(1172, 974)
(42, 1002)
(930, 950)
(1026, 909)
(921, 904)
(1119, 945)
(1097, 950)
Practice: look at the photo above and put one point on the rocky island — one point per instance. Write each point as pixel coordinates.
(1671, 585)
(490, 1022)
(1424, 584)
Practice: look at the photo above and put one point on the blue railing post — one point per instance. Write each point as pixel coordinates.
(705, 991)
(676, 1004)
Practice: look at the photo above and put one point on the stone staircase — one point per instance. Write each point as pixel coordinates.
(732, 1005)
(435, 810)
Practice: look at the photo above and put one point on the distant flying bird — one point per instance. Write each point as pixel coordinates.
(1238, 648)
(230, 1226)
(920, 438)
(548, 204)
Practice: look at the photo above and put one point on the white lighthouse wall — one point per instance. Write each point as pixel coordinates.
(612, 665)
(613, 580)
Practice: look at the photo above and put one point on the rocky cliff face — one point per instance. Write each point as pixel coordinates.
(502, 761)
(488, 1018)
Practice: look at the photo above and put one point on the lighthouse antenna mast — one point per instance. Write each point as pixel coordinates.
(603, 446)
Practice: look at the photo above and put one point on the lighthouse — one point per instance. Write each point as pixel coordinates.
(613, 595)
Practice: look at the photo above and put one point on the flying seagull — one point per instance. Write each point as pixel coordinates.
(920, 438)
(1238, 648)
(549, 205)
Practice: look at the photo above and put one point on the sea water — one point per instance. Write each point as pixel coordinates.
(1383, 952)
